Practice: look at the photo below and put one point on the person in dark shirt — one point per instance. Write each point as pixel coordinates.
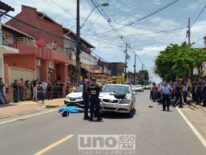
(3, 99)
(178, 94)
(49, 91)
(15, 87)
(85, 96)
(94, 90)
(204, 94)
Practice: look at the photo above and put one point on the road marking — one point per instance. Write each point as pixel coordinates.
(196, 132)
(25, 117)
(46, 149)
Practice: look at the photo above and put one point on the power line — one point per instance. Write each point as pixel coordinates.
(162, 31)
(201, 11)
(106, 18)
(150, 14)
(34, 27)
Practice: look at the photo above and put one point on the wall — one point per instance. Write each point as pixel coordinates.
(19, 61)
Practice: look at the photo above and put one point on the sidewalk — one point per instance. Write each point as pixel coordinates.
(26, 107)
(197, 116)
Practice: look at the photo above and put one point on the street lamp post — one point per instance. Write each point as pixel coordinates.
(78, 43)
(102, 4)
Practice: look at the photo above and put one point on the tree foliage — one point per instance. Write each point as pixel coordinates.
(145, 74)
(178, 61)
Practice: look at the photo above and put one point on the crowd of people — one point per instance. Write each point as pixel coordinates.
(36, 90)
(177, 93)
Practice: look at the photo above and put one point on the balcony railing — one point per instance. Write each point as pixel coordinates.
(84, 56)
(11, 41)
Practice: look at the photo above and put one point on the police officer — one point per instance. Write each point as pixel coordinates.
(204, 94)
(166, 91)
(94, 91)
(178, 94)
(15, 91)
(85, 96)
(198, 93)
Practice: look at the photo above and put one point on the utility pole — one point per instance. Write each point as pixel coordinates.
(78, 74)
(135, 69)
(125, 69)
(205, 41)
(189, 32)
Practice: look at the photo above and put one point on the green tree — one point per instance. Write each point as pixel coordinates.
(178, 61)
(144, 74)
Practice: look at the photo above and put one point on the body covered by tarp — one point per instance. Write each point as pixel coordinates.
(70, 109)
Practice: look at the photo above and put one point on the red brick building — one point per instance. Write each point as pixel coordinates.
(46, 49)
(41, 48)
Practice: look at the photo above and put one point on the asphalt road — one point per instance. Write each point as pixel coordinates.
(157, 133)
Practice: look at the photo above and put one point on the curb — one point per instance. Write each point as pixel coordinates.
(20, 114)
(53, 106)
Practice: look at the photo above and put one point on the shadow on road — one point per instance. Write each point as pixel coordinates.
(113, 115)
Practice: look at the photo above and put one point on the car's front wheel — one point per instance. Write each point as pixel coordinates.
(132, 113)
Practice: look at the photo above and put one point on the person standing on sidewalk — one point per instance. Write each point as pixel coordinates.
(166, 91)
(35, 97)
(49, 91)
(21, 90)
(15, 87)
(40, 91)
(185, 93)
(198, 93)
(204, 94)
(3, 99)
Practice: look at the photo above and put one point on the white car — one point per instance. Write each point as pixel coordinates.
(147, 87)
(117, 98)
(75, 98)
(137, 88)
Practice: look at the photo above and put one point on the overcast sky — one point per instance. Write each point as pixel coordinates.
(141, 36)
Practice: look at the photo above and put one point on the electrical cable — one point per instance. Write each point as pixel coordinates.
(149, 15)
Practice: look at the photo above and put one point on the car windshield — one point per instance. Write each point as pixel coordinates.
(116, 88)
(79, 89)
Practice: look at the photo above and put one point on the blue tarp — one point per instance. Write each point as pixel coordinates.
(70, 109)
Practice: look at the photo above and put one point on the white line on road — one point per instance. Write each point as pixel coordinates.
(196, 132)
(29, 116)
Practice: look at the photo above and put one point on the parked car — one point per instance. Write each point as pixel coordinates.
(75, 98)
(117, 98)
(138, 88)
(147, 87)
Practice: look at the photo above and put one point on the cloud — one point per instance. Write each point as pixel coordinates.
(194, 5)
(157, 2)
(152, 50)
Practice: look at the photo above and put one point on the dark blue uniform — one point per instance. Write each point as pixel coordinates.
(85, 96)
(204, 95)
(94, 90)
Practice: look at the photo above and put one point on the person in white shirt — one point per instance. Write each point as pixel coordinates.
(166, 91)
